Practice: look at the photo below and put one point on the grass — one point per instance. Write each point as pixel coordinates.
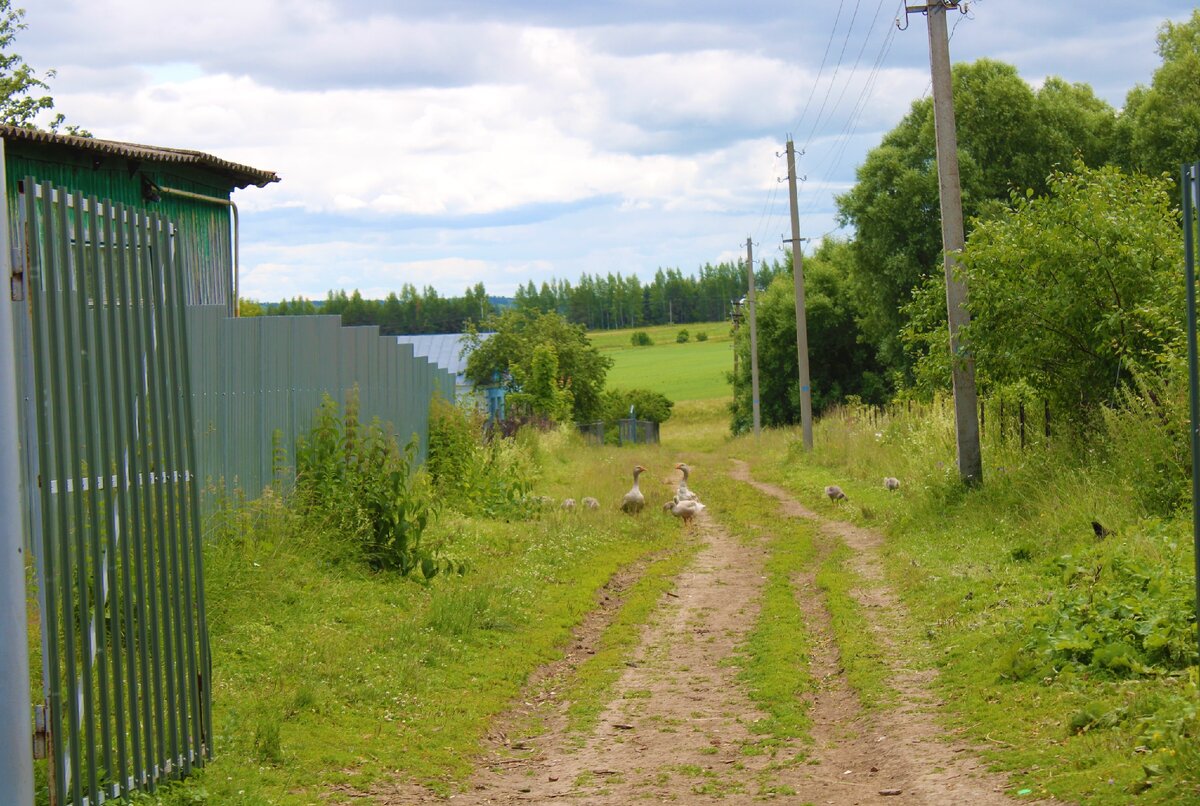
(775, 655)
(695, 370)
(980, 570)
(328, 678)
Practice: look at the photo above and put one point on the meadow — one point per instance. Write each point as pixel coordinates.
(693, 370)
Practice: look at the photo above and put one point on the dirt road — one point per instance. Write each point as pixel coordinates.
(677, 726)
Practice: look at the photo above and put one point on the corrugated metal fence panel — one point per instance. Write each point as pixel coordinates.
(255, 378)
(121, 598)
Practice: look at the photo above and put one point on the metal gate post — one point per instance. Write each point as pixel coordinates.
(16, 731)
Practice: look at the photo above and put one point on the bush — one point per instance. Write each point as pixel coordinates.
(641, 338)
(472, 474)
(364, 486)
(702, 335)
(681, 337)
(647, 405)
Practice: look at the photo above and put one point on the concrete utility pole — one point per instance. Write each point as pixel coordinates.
(801, 311)
(966, 405)
(753, 339)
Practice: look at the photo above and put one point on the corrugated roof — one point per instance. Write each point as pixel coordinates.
(239, 175)
(443, 349)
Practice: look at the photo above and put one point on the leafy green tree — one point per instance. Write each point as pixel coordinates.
(1164, 119)
(647, 405)
(511, 351)
(543, 393)
(1074, 293)
(1009, 137)
(840, 363)
(248, 307)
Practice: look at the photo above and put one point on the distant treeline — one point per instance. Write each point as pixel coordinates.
(599, 302)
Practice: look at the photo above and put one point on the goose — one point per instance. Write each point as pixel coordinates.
(591, 503)
(634, 500)
(835, 493)
(682, 493)
(891, 483)
(684, 510)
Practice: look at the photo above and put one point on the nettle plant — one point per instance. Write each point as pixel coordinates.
(368, 489)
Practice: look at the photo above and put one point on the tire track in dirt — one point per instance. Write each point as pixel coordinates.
(901, 748)
(677, 718)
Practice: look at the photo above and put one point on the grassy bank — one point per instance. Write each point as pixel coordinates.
(694, 370)
(329, 678)
(1064, 655)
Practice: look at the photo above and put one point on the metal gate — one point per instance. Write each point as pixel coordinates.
(111, 497)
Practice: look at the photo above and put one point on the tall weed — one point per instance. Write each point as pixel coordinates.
(475, 473)
(360, 482)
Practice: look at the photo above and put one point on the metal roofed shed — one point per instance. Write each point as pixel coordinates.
(191, 188)
(445, 350)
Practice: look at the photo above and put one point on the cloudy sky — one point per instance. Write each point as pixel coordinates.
(448, 142)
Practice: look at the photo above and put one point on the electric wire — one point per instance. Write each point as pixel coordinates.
(833, 79)
(847, 132)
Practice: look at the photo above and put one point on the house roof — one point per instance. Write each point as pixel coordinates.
(443, 349)
(240, 176)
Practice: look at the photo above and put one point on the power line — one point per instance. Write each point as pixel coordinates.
(843, 138)
(821, 69)
(833, 79)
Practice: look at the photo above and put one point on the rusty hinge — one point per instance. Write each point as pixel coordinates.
(41, 731)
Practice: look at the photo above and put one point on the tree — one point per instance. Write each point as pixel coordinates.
(1163, 121)
(1009, 137)
(1075, 292)
(20, 102)
(511, 351)
(543, 393)
(840, 363)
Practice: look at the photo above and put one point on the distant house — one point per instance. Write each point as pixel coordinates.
(447, 352)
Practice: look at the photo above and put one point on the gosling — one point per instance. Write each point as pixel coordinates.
(891, 483)
(835, 493)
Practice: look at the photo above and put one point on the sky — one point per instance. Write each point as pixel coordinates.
(449, 142)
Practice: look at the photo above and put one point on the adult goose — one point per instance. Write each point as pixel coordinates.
(683, 492)
(634, 500)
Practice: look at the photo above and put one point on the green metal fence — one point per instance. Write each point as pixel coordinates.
(112, 497)
(257, 382)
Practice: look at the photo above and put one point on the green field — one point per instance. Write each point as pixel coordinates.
(695, 370)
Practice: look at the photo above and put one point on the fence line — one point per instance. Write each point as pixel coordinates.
(258, 381)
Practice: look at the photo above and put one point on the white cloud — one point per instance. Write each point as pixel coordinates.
(455, 141)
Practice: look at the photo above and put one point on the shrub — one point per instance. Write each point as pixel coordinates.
(702, 335)
(647, 405)
(681, 337)
(641, 338)
(364, 486)
(472, 474)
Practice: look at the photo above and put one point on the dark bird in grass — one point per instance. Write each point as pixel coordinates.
(1101, 530)
(835, 493)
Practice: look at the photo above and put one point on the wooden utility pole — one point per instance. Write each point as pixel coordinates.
(970, 462)
(753, 339)
(801, 312)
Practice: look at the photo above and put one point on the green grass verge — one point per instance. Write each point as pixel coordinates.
(328, 678)
(982, 573)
